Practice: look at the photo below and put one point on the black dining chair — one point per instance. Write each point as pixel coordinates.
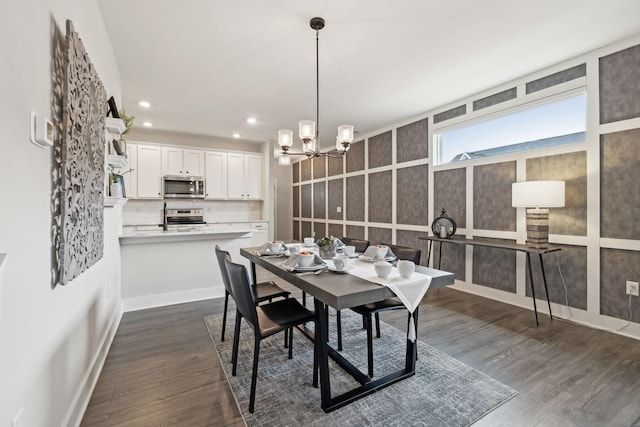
(263, 291)
(265, 320)
(368, 310)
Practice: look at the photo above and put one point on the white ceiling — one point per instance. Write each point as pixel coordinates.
(207, 65)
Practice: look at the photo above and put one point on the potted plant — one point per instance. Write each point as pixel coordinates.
(115, 189)
(327, 247)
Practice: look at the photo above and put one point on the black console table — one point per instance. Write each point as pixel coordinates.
(501, 245)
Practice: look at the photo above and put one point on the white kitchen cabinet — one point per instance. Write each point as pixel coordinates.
(149, 169)
(245, 178)
(260, 233)
(215, 175)
(177, 161)
(131, 172)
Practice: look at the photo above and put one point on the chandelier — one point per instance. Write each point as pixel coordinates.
(308, 130)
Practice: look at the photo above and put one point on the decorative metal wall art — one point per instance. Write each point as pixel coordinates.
(80, 239)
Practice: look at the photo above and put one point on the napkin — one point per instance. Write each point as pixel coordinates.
(292, 263)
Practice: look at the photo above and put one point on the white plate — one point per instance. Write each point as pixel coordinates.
(369, 259)
(311, 267)
(335, 270)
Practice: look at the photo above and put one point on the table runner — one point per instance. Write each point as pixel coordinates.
(409, 291)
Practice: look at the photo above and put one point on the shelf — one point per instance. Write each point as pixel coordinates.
(110, 202)
(114, 125)
(118, 162)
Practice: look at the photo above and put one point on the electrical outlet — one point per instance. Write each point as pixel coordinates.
(339, 209)
(633, 288)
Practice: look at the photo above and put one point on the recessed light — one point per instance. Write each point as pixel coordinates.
(236, 135)
(251, 120)
(147, 124)
(144, 104)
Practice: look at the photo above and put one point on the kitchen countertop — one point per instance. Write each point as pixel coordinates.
(155, 234)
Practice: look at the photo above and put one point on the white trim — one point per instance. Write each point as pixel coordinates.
(159, 300)
(620, 126)
(627, 245)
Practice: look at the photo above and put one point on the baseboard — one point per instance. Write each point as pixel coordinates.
(83, 396)
(159, 300)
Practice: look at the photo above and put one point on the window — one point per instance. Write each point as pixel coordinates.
(561, 121)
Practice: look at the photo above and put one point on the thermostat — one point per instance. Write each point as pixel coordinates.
(41, 130)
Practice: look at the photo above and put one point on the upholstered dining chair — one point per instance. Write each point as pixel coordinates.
(368, 310)
(263, 291)
(265, 320)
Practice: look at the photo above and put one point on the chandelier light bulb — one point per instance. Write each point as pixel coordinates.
(307, 129)
(284, 160)
(285, 138)
(345, 133)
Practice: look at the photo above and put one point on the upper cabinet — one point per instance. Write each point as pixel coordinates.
(149, 172)
(177, 161)
(215, 178)
(245, 176)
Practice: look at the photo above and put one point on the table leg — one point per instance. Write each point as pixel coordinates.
(544, 280)
(322, 352)
(429, 252)
(253, 273)
(410, 357)
(440, 256)
(533, 292)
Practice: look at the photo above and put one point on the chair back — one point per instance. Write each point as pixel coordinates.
(221, 255)
(361, 245)
(405, 252)
(241, 291)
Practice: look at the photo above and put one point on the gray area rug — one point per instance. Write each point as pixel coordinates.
(444, 391)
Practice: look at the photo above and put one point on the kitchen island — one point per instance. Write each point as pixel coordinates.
(178, 265)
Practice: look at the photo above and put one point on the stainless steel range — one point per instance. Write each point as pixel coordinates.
(184, 217)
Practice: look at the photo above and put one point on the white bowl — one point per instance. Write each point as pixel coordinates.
(308, 241)
(381, 252)
(383, 269)
(306, 260)
(348, 250)
(406, 268)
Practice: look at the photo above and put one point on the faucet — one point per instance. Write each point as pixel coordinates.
(164, 217)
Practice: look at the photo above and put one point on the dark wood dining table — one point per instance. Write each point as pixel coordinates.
(342, 291)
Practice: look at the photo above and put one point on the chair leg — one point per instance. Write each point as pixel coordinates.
(364, 322)
(370, 345)
(304, 298)
(315, 367)
(224, 316)
(236, 341)
(254, 374)
(339, 329)
(326, 311)
(290, 342)
(377, 325)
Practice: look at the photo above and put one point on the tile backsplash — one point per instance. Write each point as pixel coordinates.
(143, 212)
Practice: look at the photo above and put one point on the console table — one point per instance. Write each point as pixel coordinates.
(501, 245)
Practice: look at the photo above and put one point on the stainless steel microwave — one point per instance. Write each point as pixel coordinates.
(183, 187)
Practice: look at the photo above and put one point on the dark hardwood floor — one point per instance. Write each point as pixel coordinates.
(162, 368)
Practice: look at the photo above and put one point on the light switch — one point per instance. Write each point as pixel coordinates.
(339, 209)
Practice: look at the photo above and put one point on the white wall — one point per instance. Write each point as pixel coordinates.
(49, 338)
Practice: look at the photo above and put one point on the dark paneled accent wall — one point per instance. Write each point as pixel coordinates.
(380, 150)
(557, 78)
(319, 199)
(296, 230)
(492, 197)
(296, 201)
(336, 164)
(450, 192)
(320, 228)
(354, 231)
(378, 235)
(380, 189)
(335, 230)
(620, 85)
(493, 267)
(305, 229)
(453, 259)
(616, 267)
(355, 157)
(335, 196)
(620, 185)
(412, 195)
(355, 198)
(571, 261)
(305, 195)
(410, 238)
(497, 98)
(296, 172)
(319, 167)
(305, 170)
(450, 114)
(412, 141)
(572, 169)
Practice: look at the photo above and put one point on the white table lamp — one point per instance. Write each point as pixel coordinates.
(537, 197)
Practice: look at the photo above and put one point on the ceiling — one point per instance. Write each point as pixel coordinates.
(208, 65)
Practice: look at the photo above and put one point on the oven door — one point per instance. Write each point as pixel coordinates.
(183, 187)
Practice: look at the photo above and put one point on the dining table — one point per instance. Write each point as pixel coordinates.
(342, 291)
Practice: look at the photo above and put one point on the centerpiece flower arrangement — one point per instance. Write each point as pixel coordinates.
(327, 247)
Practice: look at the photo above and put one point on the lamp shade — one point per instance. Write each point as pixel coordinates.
(285, 138)
(545, 194)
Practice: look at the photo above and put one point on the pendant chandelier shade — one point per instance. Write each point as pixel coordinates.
(308, 130)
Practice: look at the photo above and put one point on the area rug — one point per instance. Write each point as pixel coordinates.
(444, 391)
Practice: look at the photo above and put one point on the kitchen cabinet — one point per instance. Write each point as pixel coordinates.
(245, 178)
(260, 233)
(149, 171)
(177, 161)
(215, 175)
(130, 174)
